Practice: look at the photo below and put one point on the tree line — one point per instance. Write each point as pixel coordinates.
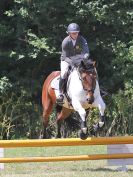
(31, 32)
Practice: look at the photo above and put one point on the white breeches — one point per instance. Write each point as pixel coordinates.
(64, 69)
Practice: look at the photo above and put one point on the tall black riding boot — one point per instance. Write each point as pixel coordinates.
(60, 98)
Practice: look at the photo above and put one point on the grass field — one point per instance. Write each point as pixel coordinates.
(61, 169)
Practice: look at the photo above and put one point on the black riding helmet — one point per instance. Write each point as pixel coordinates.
(73, 27)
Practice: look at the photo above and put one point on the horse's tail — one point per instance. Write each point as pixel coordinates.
(46, 87)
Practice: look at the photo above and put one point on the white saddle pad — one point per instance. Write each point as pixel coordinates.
(55, 83)
(55, 86)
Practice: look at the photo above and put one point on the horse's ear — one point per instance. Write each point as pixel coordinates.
(82, 63)
(94, 63)
(81, 66)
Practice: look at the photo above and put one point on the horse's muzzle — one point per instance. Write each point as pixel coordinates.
(90, 100)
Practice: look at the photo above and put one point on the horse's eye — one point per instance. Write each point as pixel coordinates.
(83, 78)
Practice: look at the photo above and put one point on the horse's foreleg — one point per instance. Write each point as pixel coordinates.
(101, 106)
(78, 107)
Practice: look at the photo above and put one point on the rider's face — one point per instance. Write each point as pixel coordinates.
(74, 35)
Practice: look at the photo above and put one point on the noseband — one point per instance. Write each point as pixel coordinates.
(89, 90)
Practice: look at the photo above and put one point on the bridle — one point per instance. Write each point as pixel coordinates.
(90, 72)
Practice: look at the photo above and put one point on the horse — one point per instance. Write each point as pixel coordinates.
(82, 92)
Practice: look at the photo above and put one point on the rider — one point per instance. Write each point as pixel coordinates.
(74, 44)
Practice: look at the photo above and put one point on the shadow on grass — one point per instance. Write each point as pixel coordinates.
(103, 170)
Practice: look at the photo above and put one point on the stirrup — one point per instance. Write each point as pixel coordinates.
(60, 99)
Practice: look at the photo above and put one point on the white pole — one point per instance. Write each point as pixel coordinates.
(1, 155)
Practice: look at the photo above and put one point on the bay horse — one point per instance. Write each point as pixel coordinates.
(82, 91)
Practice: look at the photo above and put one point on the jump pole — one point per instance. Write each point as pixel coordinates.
(66, 158)
(66, 142)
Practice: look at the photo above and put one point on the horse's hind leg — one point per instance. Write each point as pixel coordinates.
(59, 122)
(46, 113)
(62, 113)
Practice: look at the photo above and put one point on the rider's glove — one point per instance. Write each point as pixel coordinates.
(68, 60)
(86, 56)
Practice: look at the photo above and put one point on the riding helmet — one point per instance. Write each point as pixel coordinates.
(73, 27)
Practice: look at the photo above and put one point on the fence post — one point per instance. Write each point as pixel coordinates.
(1, 155)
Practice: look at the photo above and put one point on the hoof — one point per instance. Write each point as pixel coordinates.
(98, 126)
(57, 136)
(83, 135)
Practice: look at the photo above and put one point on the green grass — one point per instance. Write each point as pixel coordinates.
(60, 169)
